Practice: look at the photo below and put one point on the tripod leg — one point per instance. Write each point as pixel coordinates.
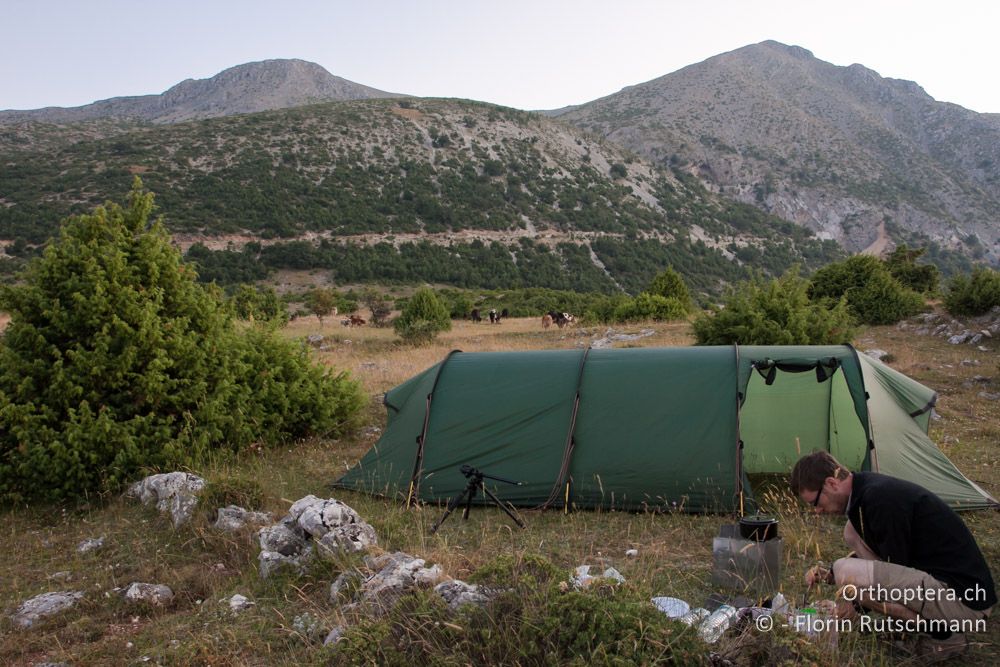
(452, 504)
(500, 504)
(468, 503)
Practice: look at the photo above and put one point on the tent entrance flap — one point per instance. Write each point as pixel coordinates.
(788, 413)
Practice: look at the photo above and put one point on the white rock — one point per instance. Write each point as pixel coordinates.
(352, 538)
(88, 545)
(631, 553)
(239, 603)
(41, 606)
(174, 492)
(281, 539)
(458, 593)
(877, 354)
(154, 594)
(232, 518)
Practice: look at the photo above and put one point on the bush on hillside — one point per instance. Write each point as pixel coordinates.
(117, 361)
(259, 304)
(873, 295)
(777, 312)
(973, 295)
(922, 278)
(671, 285)
(648, 306)
(422, 318)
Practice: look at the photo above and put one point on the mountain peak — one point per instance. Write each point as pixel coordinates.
(256, 86)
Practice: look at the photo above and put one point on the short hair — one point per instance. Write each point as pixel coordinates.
(811, 471)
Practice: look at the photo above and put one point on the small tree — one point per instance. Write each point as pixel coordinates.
(116, 360)
(648, 306)
(778, 312)
(423, 317)
(902, 264)
(873, 295)
(973, 295)
(321, 302)
(671, 285)
(378, 305)
(259, 304)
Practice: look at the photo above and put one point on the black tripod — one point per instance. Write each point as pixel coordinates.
(476, 478)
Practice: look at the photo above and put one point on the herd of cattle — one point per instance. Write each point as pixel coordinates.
(552, 317)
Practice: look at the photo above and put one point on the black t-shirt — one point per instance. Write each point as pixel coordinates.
(906, 524)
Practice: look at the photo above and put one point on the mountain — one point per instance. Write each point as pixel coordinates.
(856, 157)
(407, 189)
(258, 86)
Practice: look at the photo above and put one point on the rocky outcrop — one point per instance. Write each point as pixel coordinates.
(42, 606)
(156, 595)
(312, 525)
(232, 518)
(173, 492)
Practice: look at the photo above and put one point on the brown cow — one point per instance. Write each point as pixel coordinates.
(546, 321)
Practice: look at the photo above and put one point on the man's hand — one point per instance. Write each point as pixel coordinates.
(819, 574)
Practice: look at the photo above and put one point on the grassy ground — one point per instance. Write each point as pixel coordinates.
(204, 568)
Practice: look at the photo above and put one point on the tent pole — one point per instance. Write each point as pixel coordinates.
(418, 462)
(739, 440)
(569, 445)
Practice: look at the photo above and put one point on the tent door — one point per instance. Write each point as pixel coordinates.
(787, 414)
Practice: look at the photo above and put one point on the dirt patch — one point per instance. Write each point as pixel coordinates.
(412, 114)
(137, 169)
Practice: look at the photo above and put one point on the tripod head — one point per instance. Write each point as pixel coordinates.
(479, 476)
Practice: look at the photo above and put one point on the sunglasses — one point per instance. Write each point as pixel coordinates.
(816, 499)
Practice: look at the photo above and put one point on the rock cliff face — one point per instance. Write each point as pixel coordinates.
(259, 86)
(840, 150)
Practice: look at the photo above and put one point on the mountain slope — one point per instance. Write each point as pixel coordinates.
(247, 88)
(410, 178)
(840, 150)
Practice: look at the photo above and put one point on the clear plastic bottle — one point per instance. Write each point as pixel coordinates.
(717, 623)
(695, 616)
(779, 605)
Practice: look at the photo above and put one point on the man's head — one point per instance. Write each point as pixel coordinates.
(818, 480)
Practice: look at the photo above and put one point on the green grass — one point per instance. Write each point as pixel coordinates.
(205, 568)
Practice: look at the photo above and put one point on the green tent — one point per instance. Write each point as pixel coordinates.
(658, 428)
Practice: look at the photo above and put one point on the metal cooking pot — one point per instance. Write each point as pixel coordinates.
(758, 528)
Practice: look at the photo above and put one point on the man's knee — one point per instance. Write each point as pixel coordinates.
(852, 572)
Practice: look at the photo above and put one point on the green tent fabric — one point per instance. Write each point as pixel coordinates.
(651, 428)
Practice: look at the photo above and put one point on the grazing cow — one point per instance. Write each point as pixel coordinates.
(561, 319)
(475, 316)
(546, 321)
(494, 318)
(356, 321)
(504, 314)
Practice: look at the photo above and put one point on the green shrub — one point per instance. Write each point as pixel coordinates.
(670, 284)
(873, 295)
(422, 318)
(973, 295)
(778, 312)
(648, 306)
(259, 304)
(117, 361)
(922, 278)
(882, 300)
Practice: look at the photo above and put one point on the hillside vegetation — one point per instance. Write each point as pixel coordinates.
(401, 190)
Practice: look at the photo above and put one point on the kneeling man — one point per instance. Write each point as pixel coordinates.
(914, 558)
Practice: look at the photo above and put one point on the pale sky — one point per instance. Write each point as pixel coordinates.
(528, 54)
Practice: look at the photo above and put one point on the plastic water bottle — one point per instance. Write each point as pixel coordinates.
(717, 623)
(695, 616)
(779, 605)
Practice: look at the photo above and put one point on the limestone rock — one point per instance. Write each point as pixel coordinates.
(239, 603)
(154, 594)
(281, 539)
(44, 605)
(174, 492)
(88, 545)
(232, 518)
(458, 593)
